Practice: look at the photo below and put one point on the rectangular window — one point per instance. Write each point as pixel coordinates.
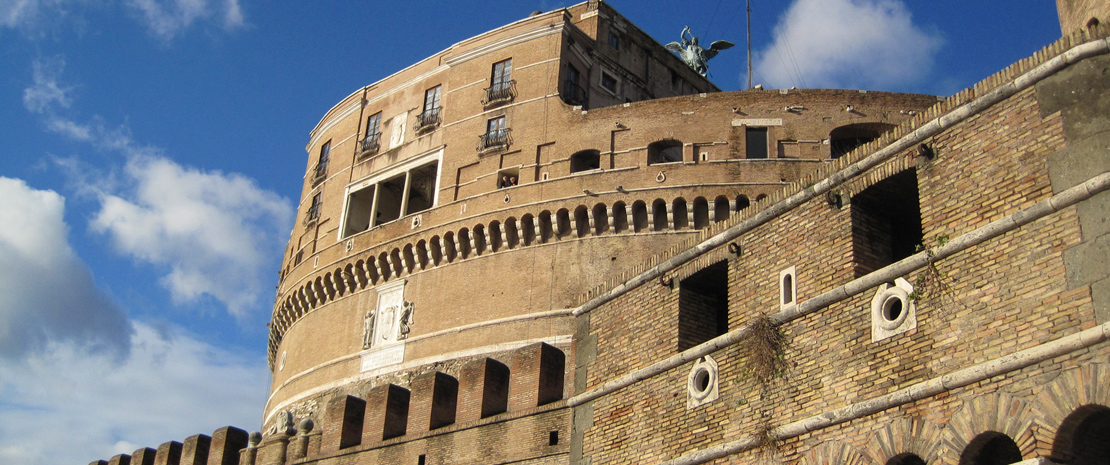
(497, 135)
(703, 305)
(322, 163)
(614, 41)
(756, 143)
(573, 93)
(313, 212)
(373, 139)
(608, 82)
(430, 118)
(502, 74)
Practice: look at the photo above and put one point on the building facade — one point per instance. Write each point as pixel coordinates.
(556, 243)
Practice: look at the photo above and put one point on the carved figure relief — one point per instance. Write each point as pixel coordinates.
(368, 330)
(406, 320)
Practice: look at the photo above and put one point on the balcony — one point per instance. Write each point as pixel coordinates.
(500, 92)
(371, 144)
(497, 139)
(573, 93)
(428, 120)
(319, 173)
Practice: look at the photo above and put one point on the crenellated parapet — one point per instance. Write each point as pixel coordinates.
(221, 448)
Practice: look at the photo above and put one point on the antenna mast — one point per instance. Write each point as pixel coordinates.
(749, 44)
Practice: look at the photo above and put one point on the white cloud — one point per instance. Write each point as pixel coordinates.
(46, 292)
(167, 18)
(215, 233)
(45, 94)
(847, 44)
(69, 406)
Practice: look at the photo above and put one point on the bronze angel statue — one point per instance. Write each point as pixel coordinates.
(693, 54)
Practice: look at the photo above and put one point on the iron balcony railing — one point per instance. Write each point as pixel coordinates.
(573, 93)
(500, 92)
(495, 139)
(371, 143)
(429, 119)
(320, 172)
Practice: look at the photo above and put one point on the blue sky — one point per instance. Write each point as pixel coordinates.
(152, 151)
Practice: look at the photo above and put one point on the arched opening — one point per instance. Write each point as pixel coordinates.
(601, 219)
(701, 213)
(479, 235)
(620, 218)
(450, 251)
(422, 254)
(494, 236)
(562, 223)
(846, 138)
(340, 282)
(585, 160)
(384, 268)
(664, 151)
(681, 220)
(742, 202)
(760, 197)
(511, 237)
(1083, 437)
(581, 221)
(659, 215)
(464, 243)
(639, 216)
(410, 259)
(905, 458)
(990, 448)
(436, 249)
(546, 228)
(720, 209)
(329, 290)
(528, 226)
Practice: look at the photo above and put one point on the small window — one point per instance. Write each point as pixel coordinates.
(788, 287)
(886, 222)
(756, 143)
(585, 160)
(703, 305)
(322, 163)
(608, 82)
(508, 177)
(553, 438)
(614, 41)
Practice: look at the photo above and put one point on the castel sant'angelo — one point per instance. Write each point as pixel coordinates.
(557, 242)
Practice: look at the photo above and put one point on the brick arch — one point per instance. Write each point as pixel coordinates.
(906, 435)
(835, 453)
(998, 412)
(1070, 390)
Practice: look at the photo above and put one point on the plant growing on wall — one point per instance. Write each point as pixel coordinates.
(931, 281)
(764, 351)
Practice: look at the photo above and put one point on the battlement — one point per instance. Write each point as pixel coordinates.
(221, 448)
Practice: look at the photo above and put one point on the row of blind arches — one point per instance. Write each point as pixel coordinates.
(583, 221)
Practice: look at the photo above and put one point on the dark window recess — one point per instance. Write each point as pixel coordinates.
(906, 458)
(358, 211)
(614, 41)
(553, 438)
(886, 222)
(585, 160)
(703, 305)
(422, 184)
(756, 143)
(664, 151)
(420, 460)
(844, 139)
(608, 82)
(391, 193)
